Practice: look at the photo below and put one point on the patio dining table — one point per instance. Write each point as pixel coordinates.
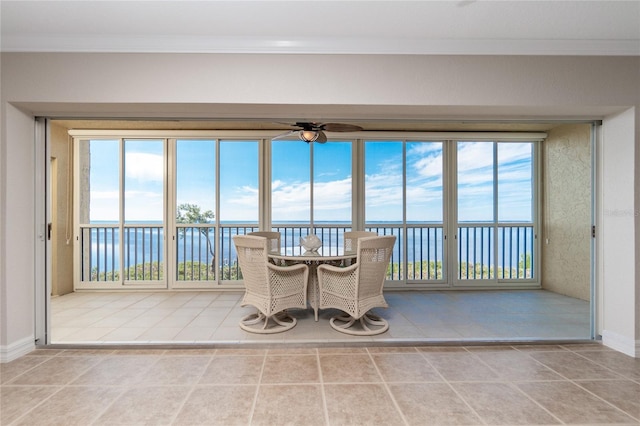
(313, 259)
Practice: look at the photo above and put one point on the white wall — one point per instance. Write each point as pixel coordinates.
(314, 87)
(417, 85)
(618, 218)
(18, 234)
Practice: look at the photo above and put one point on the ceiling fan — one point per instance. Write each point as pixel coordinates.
(309, 131)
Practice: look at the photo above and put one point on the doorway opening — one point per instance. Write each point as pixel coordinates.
(565, 185)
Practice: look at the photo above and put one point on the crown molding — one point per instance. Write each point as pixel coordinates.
(325, 45)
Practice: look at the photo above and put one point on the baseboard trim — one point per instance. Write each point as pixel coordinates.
(621, 343)
(17, 349)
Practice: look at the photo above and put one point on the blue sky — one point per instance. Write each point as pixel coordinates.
(332, 174)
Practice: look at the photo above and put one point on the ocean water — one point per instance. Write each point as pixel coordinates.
(146, 244)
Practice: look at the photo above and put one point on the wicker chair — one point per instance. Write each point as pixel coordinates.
(273, 239)
(356, 289)
(351, 239)
(269, 288)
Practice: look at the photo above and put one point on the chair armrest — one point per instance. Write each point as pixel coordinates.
(341, 270)
(332, 279)
(288, 280)
(292, 268)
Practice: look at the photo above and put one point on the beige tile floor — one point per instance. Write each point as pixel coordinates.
(275, 384)
(415, 317)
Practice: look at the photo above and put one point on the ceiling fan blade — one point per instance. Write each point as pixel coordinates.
(322, 138)
(340, 127)
(285, 134)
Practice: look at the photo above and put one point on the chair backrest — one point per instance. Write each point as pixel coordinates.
(374, 254)
(351, 239)
(252, 258)
(273, 239)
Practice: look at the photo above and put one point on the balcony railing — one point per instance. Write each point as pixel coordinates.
(195, 248)
(229, 268)
(479, 258)
(418, 255)
(142, 258)
(100, 253)
(143, 253)
(516, 252)
(425, 250)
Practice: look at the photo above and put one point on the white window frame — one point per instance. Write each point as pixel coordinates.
(358, 193)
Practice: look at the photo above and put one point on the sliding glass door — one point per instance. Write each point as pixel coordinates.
(404, 196)
(495, 227)
(216, 197)
(149, 211)
(311, 191)
(161, 212)
(121, 191)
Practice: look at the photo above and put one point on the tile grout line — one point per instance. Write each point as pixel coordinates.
(513, 385)
(386, 387)
(572, 381)
(193, 388)
(64, 386)
(575, 382)
(37, 405)
(325, 407)
(257, 392)
(123, 390)
(444, 380)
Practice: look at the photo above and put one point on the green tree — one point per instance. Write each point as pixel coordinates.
(192, 213)
(524, 266)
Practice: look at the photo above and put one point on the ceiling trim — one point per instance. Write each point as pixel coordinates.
(241, 134)
(325, 45)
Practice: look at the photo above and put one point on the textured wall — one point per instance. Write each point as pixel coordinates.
(566, 225)
(62, 261)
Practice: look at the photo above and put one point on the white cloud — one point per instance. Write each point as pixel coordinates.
(429, 166)
(335, 193)
(508, 152)
(145, 167)
(291, 200)
(276, 184)
(423, 194)
(425, 158)
(474, 155)
(105, 195)
(244, 197)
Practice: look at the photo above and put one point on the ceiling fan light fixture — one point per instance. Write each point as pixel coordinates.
(308, 135)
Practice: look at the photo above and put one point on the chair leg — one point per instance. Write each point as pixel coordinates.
(376, 320)
(367, 319)
(259, 323)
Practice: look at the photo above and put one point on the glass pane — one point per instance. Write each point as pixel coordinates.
(99, 181)
(195, 205)
(424, 199)
(515, 182)
(239, 169)
(424, 182)
(144, 170)
(195, 181)
(383, 168)
(332, 182)
(475, 181)
(290, 182)
(383, 181)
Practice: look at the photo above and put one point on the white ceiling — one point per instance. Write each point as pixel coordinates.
(294, 26)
